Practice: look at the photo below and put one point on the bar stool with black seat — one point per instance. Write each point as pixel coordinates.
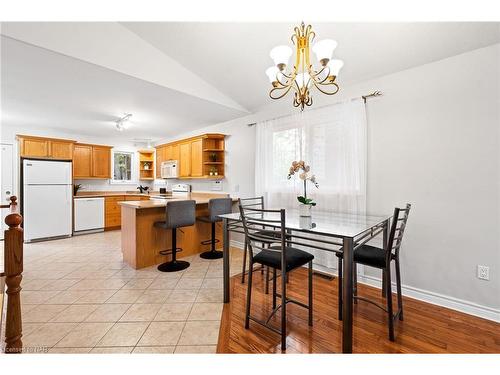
(178, 214)
(278, 257)
(379, 258)
(216, 207)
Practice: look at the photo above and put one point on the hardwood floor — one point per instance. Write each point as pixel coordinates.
(426, 329)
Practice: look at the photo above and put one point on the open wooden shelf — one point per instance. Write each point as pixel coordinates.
(213, 162)
(146, 158)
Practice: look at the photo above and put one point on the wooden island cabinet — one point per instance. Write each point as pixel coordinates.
(142, 241)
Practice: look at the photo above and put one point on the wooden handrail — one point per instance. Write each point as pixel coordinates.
(13, 269)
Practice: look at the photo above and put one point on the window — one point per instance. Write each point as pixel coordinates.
(122, 166)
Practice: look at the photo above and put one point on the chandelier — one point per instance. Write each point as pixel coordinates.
(304, 76)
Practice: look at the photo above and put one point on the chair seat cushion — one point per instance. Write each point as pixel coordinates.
(294, 258)
(368, 255)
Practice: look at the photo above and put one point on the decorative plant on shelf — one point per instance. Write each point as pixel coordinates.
(77, 187)
(213, 157)
(305, 175)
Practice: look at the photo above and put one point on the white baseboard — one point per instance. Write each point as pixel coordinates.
(422, 295)
(449, 302)
(237, 244)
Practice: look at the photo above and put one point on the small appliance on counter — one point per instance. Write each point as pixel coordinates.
(178, 191)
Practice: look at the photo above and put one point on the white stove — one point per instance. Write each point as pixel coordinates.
(178, 191)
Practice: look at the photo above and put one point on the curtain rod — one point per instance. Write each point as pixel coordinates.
(364, 97)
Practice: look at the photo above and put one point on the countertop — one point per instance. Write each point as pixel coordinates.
(200, 198)
(99, 194)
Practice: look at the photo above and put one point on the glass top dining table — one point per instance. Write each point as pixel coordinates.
(350, 230)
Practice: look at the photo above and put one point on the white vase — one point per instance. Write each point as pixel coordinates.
(305, 210)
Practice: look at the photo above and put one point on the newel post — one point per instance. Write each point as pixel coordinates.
(13, 264)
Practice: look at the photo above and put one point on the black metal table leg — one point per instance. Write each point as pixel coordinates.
(225, 251)
(385, 239)
(347, 290)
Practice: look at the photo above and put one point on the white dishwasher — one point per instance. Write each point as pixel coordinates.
(89, 215)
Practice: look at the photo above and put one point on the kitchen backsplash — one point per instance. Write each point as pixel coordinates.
(106, 185)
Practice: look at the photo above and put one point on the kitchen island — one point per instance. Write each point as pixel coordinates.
(142, 242)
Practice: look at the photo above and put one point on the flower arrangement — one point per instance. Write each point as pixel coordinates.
(305, 175)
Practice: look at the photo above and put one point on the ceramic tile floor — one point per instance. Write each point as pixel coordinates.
(80, 297)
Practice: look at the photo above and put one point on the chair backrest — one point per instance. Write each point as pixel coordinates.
(219, 206)
(255, 202)
(399, 220)
(254, 219)
(181, 213)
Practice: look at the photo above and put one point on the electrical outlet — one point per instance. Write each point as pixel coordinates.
(483, 272)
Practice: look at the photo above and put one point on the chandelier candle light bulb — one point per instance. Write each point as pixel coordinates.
(304, 75)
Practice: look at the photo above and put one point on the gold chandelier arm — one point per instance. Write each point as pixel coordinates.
(318, 86)
(278, 89)
(321, 81)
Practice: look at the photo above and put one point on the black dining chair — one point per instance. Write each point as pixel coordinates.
(277, 257)
(381, 258)
(257, 203)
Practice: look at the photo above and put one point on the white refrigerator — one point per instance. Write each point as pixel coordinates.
(47, 199)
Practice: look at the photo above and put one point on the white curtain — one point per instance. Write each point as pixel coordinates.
(332, 140)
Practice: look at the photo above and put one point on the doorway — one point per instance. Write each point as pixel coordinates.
(6, 180)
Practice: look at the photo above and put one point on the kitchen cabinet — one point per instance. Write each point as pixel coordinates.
(61, 150)
(185, 159)
(112, 211)
(198, 157)
(82, 161)
(101, 162)
(45, 148)
(91, 161)
(160, 157)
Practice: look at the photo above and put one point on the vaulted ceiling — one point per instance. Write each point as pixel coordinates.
(177, 77)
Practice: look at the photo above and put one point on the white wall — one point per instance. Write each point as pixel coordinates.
(433, 142)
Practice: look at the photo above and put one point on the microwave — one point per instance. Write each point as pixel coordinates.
(169, 169)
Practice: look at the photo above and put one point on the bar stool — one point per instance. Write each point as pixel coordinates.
(216, 207)
(178, 214)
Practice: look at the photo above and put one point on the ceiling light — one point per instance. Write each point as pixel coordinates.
(123, 122)
(302, 75)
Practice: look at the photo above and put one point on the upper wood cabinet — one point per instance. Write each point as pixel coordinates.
(101, 161)
(82, 161)
(185, 159)
(45, 148)
(91, 161)
(198, 157)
